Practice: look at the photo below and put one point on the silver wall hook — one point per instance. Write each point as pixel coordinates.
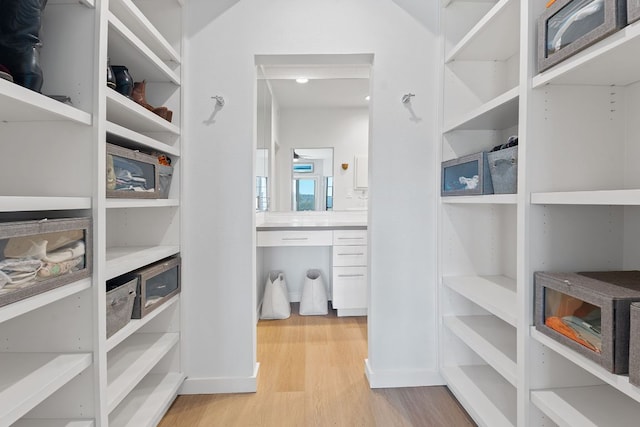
(407, 98)
(219, 100)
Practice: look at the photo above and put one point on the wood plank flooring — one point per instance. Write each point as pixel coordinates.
(312, 374)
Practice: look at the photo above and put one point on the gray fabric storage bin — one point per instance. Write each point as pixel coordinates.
(41, 255)
(634, 345)
(503, 165)
(458, 172)
(120, 299)
(157, 284)
(612, 292)
(633, 10)
(165, 174)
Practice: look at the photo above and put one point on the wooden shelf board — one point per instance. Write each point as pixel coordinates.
(612, 61)
(489, 399)
(136, 324)
(129, 14)
(619, 382)
(491, 338)
(132, 360)
(125, 48)
(488, 199)
(600, 197)
(29, 204)
(590, 406)
(33, 422)
(121, 260)
(147, 403)
(18, 104)
(141, 203)
(125, 112)
(131, 139)
(29, 378)
(496, 294)
(497, 114)
(37, 301)
(494, 38)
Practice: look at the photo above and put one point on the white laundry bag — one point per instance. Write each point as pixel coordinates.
(275, 304)
(314, 295)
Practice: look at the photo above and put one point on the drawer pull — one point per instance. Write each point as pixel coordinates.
(358, 254)
(350, 275)
(295, 238)
(350, 238)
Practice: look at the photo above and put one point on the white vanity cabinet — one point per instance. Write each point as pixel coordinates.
(350, 272)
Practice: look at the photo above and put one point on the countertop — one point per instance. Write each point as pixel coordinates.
(279, 221)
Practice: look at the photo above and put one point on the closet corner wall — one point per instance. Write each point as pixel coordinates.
(64, 371)
(576, 209)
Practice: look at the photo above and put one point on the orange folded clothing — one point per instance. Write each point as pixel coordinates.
(557, 325)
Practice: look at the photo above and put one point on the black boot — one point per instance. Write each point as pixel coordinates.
(20, 22)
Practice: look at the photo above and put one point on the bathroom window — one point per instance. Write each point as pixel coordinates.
(304, 194)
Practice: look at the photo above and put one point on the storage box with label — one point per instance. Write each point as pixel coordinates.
(37, 256)
(131, 174)
(589, 312)
(466, 176)
(156, 284)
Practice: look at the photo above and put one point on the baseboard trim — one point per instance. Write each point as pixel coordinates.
(221, 385)
(401, 378)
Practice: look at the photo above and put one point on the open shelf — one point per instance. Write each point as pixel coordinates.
(489, 199)
(603, 197)
(486, 396)
(131, 139)
(122, 260)
(612, 61)
(147, 403)
(33, 303)
(127, 113)
(129, 362)
(29, 378)
(494, 38)
(28, 204)
(496, 294)
(135, 324)
(587, 406)
(497, 114)
(619, 382)
(19, 104)
(141, 203)
(89, 3)
(491, 339)
(32, 422)
(125, 48)
(129, 14)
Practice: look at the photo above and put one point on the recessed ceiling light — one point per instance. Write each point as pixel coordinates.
(302, 80)
(366, 98)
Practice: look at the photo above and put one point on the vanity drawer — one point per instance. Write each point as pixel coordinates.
(349, 287)
(294, 238)
(346, 256)
(350, 237)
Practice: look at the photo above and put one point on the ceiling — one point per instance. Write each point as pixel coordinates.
(321, 93)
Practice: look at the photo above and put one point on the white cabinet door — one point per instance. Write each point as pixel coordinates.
(350, 237)
(349, 287)
(348, 256)
(294, 238)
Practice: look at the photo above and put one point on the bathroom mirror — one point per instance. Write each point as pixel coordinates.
(312, 125)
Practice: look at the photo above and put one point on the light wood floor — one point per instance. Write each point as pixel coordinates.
(312, 374)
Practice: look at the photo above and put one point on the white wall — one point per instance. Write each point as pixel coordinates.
(344, 129)
(219, 244)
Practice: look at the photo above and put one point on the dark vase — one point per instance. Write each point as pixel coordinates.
(124, 81)
(111, 78)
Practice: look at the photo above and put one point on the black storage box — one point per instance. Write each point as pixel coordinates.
(589, 312)
(37, 256)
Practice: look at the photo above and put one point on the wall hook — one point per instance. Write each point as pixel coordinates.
(219, 100)
(407, 98)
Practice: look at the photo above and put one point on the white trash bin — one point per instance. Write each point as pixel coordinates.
(314, 299)
(275, 304)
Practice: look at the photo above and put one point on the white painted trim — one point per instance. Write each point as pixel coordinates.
(401, 378)
(221, 385)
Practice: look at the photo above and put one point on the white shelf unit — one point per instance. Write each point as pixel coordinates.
(478, 235)
(59, 375)
(601, 197)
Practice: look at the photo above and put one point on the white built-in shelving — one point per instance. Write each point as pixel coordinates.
(142, 203)
(496, 294)
(596, 197)
(123, 259)
(29, 378)
(146, 404)
(124, 136)
(499, 113)
(34, 422)
(488, 397)
(487, 199)
(126, 113)
(27, 204)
